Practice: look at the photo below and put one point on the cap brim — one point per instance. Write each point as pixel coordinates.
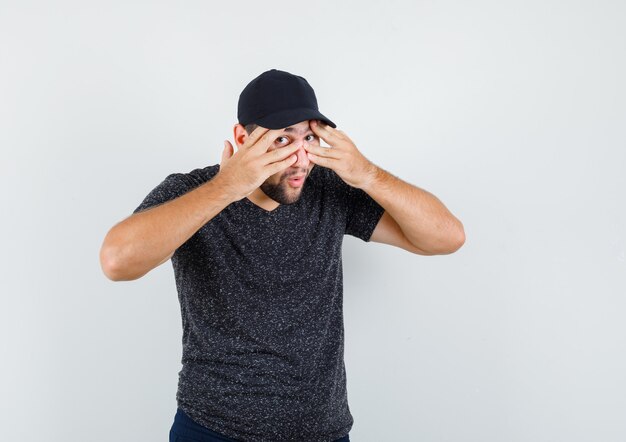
(279, 120)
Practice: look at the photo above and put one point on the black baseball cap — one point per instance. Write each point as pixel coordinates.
(277, 99)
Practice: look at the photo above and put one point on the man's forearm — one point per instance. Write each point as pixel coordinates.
(144, 240)
(423, 218)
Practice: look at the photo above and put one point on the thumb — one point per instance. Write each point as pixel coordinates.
(228, 151)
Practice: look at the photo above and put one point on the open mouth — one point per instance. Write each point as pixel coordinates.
(296, 181)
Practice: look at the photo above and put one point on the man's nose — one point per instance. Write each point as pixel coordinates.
(303, 159)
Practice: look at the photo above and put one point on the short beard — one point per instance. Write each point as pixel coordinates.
(279, 193)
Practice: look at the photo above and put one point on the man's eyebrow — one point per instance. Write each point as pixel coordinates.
(292, 129)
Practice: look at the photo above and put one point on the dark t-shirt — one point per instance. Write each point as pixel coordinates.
(261, 298)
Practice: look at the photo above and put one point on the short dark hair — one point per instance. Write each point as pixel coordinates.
(250, 127)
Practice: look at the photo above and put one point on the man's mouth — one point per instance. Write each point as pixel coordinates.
(296, 181)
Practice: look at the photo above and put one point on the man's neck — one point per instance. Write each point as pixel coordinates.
(262, 200)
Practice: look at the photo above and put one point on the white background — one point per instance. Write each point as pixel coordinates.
(512, 113)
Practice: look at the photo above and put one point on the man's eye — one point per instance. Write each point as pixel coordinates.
(310, 137)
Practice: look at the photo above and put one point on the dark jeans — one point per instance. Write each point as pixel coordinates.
(184, 429)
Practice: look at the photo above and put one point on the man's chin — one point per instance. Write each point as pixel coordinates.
(285, 193)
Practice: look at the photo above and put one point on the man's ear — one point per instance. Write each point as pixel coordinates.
(240, 134)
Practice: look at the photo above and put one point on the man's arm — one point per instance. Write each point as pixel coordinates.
(146, 239)
(414, 219)
(387, 231)
(418, 221)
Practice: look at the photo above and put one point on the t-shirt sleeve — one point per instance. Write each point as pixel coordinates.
(173, 186)
(363, 213)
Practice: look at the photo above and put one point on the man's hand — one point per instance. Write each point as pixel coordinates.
(342, 156)
(242, 172)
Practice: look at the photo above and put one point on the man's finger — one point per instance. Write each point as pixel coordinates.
(331, 163)
(228, 151)
(325, 132)
(254, 136)
(280, 154)
(266, 140)
(324, 152)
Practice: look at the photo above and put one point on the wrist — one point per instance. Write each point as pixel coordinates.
(370, 177)
(224, 189)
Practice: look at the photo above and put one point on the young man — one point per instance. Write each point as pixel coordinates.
(256, 244)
